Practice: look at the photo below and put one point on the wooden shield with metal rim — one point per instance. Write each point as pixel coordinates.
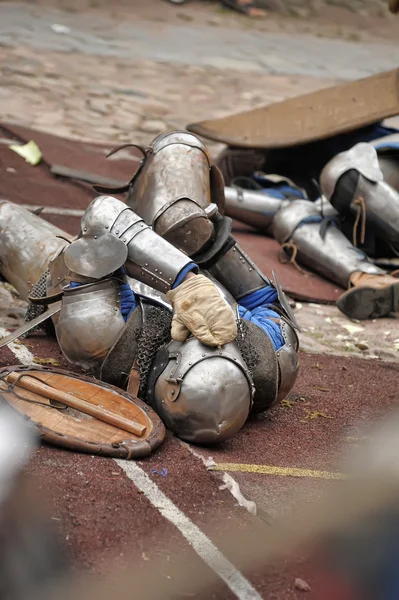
(82, 413)
(315, 116)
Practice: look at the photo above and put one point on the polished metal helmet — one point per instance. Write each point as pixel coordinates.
(202, 394)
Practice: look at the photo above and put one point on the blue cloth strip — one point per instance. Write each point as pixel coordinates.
(183, 273)
(254, 307)
(277, 190)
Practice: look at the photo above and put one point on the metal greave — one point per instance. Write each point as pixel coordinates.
(332, 256)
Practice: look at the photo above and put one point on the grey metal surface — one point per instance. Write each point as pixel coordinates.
(114, 235)
(381, 203)
(153, 261)
(333, 256)
(289, 217)
(287, 358)
(22, 23)
(173, 190)
(254, 208)
(204, 394)
(27, 244)
(89, 323)
(238, 273)
(362, 157)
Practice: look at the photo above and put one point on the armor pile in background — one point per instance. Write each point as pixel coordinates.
(342, 232)
(234, 349)
(320, 173)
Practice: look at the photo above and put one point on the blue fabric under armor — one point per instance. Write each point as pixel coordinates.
(281, 190)
(255, 307)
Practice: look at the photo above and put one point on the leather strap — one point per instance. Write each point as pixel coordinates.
(133, 381)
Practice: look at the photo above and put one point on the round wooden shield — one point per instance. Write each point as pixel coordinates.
(82, 413)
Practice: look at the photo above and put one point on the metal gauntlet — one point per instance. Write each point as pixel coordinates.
(112, 236)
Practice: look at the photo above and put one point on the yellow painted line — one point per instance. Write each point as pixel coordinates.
(280, 471)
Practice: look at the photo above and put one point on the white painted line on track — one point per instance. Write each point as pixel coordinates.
(202, 545)
(21, 352)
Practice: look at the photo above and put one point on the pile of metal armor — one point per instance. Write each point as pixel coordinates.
(173, 219)
(344, 226)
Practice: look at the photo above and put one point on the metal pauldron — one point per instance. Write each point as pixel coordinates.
(90, 322)
(112, 236)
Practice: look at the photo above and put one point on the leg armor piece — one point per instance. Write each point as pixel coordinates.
(353, 181)
(241, 277)
(176, 191)
(112, 236)
(319, 244)
(251, 207)
(27, 245)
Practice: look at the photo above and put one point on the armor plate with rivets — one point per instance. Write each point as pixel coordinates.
(112, 236)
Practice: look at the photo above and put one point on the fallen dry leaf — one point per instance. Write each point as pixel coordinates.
(47, 361)
(315, 414)
(287, 403)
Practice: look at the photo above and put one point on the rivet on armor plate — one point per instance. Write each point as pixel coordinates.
(173, 392)
(85, 229)
(189, 364)
(170, 279)
(115, 309)
(250, 268)
(234, 249)
(116, 232)
(106, 227)
(95, 237)
(146, 264)
(156, 270)
(203, 355)
(160, 272)
(59, 278)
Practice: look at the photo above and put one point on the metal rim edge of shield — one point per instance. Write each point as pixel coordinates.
(120, 444)
(309, 117)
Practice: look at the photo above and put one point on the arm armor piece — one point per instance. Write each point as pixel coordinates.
(112, 236)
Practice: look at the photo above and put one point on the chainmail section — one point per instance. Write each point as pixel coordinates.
(154, 334)
(247, 349)
(39, 290)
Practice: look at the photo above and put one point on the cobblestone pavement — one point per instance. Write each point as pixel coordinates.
(156, 74)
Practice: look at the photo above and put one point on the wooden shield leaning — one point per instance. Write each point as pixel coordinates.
(82, 413)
